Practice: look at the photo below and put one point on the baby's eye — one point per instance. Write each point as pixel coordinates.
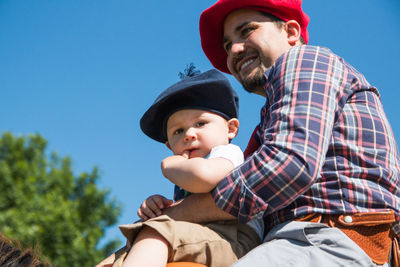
(178, 131)
(200, 124)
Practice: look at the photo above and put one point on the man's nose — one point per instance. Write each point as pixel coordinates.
(237, 47)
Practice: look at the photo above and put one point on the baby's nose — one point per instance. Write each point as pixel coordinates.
(190, 135)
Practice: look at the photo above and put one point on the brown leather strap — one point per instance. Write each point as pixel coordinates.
(395, 257)
(370, 231)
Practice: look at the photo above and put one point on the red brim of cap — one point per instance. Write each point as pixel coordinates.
(212, 23)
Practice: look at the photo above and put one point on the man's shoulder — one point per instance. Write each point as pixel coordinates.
(308, 54)
(302, 59)
(309, 49)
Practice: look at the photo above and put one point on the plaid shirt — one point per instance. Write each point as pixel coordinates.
(326, 145)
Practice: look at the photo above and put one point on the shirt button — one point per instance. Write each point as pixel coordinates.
(348, 219)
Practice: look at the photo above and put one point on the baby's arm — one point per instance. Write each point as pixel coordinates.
(196, 175)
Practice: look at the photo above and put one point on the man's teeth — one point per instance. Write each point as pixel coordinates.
(246, 63)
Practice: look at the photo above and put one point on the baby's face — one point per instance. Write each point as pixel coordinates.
(195, 132)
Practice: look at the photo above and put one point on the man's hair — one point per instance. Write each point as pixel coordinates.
(278, 22)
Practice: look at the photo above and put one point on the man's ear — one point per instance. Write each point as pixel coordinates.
(167, 144)
(233, 128)
(293, 31)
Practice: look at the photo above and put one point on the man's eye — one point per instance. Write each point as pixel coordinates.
(246, 31)
(201, 123)
(227, 46)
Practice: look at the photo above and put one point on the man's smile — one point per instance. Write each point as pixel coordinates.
(246, 63)
(243, 63)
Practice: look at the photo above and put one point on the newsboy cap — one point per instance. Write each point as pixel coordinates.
(212, 23)
(209, 91)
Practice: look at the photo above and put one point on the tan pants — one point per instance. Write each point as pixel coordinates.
(215, 244)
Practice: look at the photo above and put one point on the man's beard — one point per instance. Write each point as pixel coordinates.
(254, 84)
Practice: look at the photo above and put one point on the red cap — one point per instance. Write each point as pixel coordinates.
(212, 23)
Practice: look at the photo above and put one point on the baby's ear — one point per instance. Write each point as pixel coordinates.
(233, 128)
(167, 144)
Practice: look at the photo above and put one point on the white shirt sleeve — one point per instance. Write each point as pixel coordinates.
(230, 152)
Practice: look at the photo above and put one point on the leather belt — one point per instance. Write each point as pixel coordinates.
(371, 231)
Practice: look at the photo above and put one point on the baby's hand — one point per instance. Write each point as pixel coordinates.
(186, 154)
(153, 206)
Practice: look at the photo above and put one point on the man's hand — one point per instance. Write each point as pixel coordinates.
(153, 206)
(197, 208)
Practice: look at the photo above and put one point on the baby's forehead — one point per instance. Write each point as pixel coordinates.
(184, 115)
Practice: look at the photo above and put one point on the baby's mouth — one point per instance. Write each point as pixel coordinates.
(192, 152)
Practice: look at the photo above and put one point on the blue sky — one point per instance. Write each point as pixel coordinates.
(82, 73)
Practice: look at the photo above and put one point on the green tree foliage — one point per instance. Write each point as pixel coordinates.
(44, 205)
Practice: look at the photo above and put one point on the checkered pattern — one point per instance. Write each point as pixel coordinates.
(327, 146)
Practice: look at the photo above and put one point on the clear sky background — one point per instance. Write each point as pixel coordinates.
(82, 73)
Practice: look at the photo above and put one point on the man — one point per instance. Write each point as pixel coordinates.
(323, 166)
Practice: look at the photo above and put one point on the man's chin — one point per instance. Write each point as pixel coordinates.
(254, 84)
(255, 88)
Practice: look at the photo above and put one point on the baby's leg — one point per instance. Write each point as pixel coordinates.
(149, 249)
